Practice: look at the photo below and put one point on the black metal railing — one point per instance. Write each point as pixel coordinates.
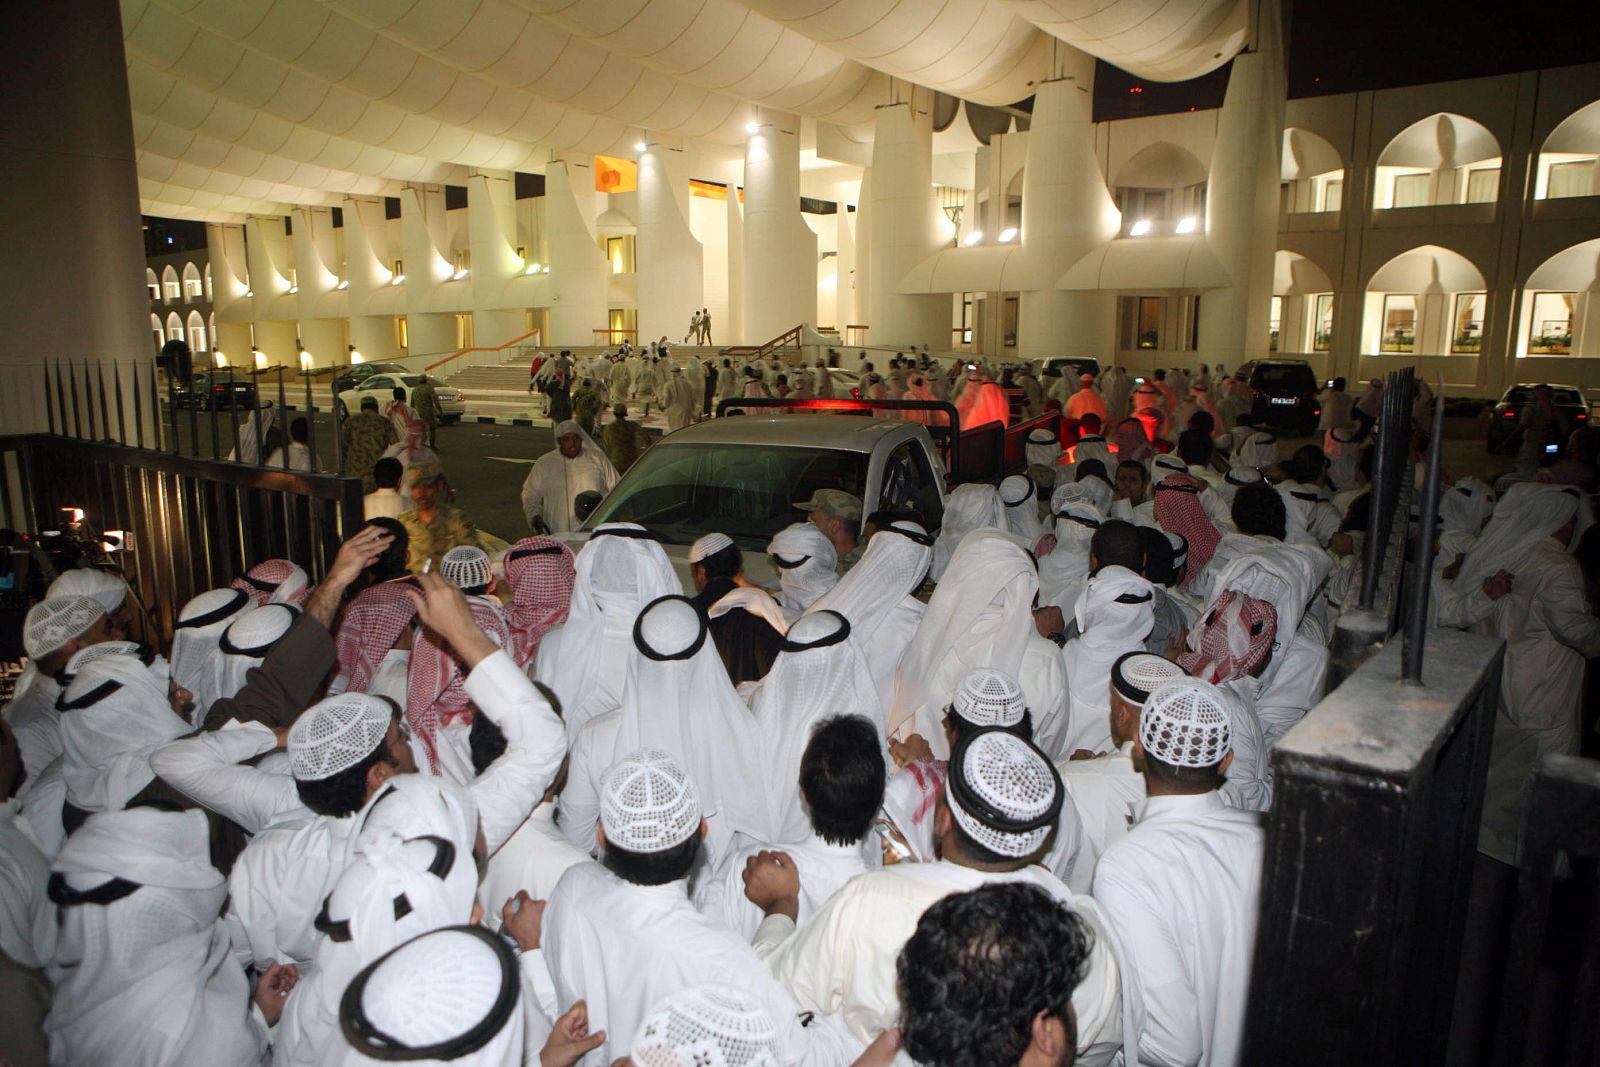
(1371, 843)
(189, 524)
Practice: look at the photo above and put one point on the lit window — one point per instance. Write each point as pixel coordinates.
(1550, 331)
(1399, 323)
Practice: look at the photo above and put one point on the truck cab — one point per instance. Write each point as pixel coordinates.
(743, 476)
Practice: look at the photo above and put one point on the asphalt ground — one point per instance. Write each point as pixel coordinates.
(486, 463)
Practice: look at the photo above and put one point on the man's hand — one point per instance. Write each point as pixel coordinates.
(1049, 620)
(772, 883)
(355, 556)
(910, 750)
(1497, 585)
(272, 990)
(443, 608)
(570, 1038)
(1453, 569)
(1177, 644)
(1085, 753)
(521, 917)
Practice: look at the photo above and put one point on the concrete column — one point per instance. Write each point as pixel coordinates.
(268, 255)
(863, 244)
(1242, 199)
(1066, 213)
(845, 297)
(75, 278)
(780, 262)
(907, 232)
(492, 240)
(670, 260)
(578, 269)
(1293, 333)
(367, 270)
(733, 331)
(422, 235)
(226, 253)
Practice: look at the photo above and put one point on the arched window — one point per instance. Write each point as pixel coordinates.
(1429, 301)
(174, 327)
(171, 289)
(1302, 295)
(208, 284)
(1560, 305)
(156, 328)
(1312, 173)
(1569, 160)
(197, 333)
(193, 288)
(1442, 159)
(153, 283)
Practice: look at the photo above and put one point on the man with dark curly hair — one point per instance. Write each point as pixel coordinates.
(987, 980)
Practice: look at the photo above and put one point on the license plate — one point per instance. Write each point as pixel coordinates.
(1284, 401)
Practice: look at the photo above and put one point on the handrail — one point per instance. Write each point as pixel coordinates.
(610, 333)
(479, 348)
(762, 350)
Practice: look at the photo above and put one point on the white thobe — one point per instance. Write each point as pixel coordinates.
(605, 687)
(844, 960)
(681, 403)
(534, 858)
(822, 867)
(554, 481)
(27, 917)
(34, 720)
(277, 887)
(1105, 792)
(1181, 891)
(623, 948)
(1296, 686)
(385, 504)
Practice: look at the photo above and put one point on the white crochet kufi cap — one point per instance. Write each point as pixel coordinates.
(107, 590)
(1012, 793)
(445, 987)
(335, 734)
(988, 697)
(466, 567)
(1185, 724)
(707, 1026)
(708, 545)
(1136, 675)
(648, 803)
(85, 656)
(257, 630)
(53, 622)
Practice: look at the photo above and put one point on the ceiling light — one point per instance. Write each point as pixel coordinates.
(752, 126)
(1007, 235)
(294, 289)
(397, 279)
(972, 238)
(248, 293)
(532, 268)
(462, 273)
(639, 146)
(343, 283)
(1140, 228)
(1187, 225)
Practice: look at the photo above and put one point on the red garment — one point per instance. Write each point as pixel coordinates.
(540, 572)
(1234, 639)
(372, 624)
(436, 685)
(1178, 510)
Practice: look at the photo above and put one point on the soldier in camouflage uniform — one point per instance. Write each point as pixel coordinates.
(367, 436)
(434, 526)
(425, 402)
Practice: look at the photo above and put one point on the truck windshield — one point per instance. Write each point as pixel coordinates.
(747, 492)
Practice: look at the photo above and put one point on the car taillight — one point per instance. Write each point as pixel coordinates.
(1510, 414)
(1581, 415)
(1316, 411)
(222, 388)
(855, 393)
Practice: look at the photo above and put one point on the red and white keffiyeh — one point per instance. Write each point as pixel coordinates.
(1233, 640)
(436, 684)
(275, 581)
(541, 573)
(1178, 510)
(372, 624)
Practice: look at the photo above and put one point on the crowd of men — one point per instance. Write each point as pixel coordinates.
(984, 787)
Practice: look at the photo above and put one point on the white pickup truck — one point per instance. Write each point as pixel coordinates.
(743, 476)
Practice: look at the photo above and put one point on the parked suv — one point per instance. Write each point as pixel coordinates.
(1506, 416)
(1073, 366)
(1285, 395)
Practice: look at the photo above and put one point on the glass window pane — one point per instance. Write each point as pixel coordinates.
(1274, 323)
(1571, 179)
(1467, 335)
(1332, 194)
(1322, 338)
(1411, 190)
(1150, 321)
(1483, 185)
(1399, 323)
(1550, 331)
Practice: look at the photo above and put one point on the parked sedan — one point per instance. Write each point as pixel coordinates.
(1505, 418)
(217, 390)
(353, 376)
(381, 387)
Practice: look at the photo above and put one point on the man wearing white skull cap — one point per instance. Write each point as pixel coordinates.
(1182, 889)
(992, 822)
(54, 630)
(622, 935)
(110, 591)
(711, 1025)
